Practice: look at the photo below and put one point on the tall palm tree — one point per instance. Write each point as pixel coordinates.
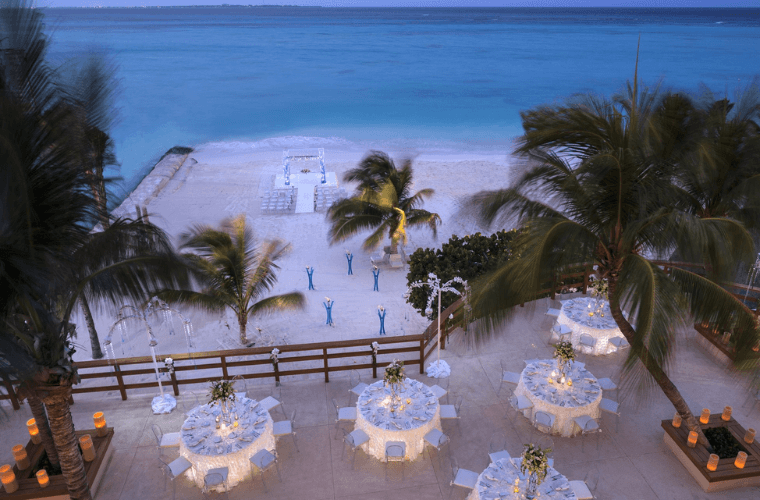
(599, 189)
(233, 272)
(383, 201)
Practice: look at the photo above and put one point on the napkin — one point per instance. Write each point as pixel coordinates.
(188, 427)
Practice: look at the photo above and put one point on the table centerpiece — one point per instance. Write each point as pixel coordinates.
(394, 376)
(564, 353)
(222, 394)
(536, 463)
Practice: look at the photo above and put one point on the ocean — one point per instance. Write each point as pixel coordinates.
(450, 79)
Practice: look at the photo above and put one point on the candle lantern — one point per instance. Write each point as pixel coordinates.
(741, 459)
(88, 450)
(8, 478)
(42, 478)
(749, 437)
(692, 442)
(712, 462)
(19, 455)
(100, 424)
(677, 420)
(726, 415)
(34, 431)
(705, 417)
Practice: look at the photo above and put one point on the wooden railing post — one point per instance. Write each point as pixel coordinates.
(422, 356)
(11, 393)
(276, 373)
(327, 369)
(174, 383)
(120, 381)
(374, 364)
(224, 367)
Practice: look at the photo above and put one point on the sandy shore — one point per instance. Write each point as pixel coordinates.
(219, 180)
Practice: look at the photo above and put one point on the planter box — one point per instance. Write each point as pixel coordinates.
(28, 488)
(727, 476)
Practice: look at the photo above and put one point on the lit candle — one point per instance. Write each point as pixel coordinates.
(554, 374)
(726, 415)
(692, 442)
(712, 462)
(19, 455)
(705, 417)
(749, 437)
(550, 380)
(569, 382)
(42, 478)
(677, 420)
(100, 424)
(8, 478)
(34, 432)
(88, 450)
(562, 380)
(741, 459)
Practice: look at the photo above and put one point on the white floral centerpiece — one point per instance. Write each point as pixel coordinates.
(222, 394)
(536, 463)
(564, 353)
(600, 289)
(394, 375)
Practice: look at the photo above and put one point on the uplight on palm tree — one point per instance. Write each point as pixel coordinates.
(234, 273)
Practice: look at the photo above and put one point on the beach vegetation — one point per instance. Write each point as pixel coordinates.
(176, 150)
(382, 202)
(233, 272)
(599, 188)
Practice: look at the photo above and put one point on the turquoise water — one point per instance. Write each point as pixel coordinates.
(423, 76)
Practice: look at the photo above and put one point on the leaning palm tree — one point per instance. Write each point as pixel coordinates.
(598, 189)
(383, 202)
(233, 272)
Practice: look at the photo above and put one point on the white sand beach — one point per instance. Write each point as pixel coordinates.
(224, 179)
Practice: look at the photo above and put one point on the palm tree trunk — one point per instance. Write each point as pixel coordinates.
(72, 464)
(40, 416)
(654, 368)
(242, 320)
(97, 353)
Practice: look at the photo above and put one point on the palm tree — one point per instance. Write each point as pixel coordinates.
(599, 189)
(383, 202)
(233, 272)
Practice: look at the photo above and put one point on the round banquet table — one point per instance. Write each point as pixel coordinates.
(207, 447)
(574, 314)
(408, 424)
(497, 482)
(563, 401)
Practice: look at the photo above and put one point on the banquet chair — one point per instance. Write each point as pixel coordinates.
(353, 439)
(520, 404)
(619, 342)
(587, 425)
(356, 386)
(612, 407)
(239, 379)
(343, 415)
(263, 460)
(587, 343)
(497, 447)
(553, 312)
(560, 333)
(394, 452)
(271, 402)
(607, 384)
(286, 428)
(462, 477)
(585, 489)
(173, 470)
(451, 412)
(215, 477)
(441, 390)
(544, 421)
(164, 441)
(508, 377)
(437, 440)
(189, 402)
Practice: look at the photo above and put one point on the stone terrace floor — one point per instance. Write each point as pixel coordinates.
(633, 463)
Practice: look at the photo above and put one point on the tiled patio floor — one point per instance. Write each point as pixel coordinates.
(633, 463)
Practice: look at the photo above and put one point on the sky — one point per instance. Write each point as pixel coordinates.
(413, 3)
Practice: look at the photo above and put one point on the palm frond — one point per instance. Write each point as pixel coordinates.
(286, 302)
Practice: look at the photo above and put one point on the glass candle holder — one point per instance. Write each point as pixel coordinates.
(88, 450)
(712, 462)
(8, 478)
(705, 417)
(692, 441)
(726, 415)
(677, 420)
(20, 456)
(100, 424)
(42, 478)
(34, 431)
(569, 382)
(749, 437)
(741, 460)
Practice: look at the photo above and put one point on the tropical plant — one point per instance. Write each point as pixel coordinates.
(598, 189)
(233, 272)
(382, 202)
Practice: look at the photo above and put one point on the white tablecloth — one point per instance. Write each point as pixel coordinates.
(498, 482)
(563, 401)
(209, 448)
(409, 424)
(574, 314)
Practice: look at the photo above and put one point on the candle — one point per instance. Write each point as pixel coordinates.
(34, 432)
(100, 424)
(692, 442)
(569, 382)
(42, 478)
(712, 462)
(8, 478)
(562, 380)
(749, 437)
(726, 415)
(677, 420)
(741, 459)
(705, 417)
(88, 450)
(551, 381)
(19, 455)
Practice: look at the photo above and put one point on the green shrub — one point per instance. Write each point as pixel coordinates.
(177, 150)
(724, 443)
